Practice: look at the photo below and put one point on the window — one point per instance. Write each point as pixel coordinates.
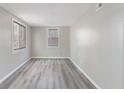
(19, 36)
(53, 37)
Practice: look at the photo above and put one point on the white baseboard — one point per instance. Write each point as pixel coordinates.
(53, 57)
(86, 75)
(13, 71)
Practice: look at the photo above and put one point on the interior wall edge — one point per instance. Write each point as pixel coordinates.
(85, 74)
(13, 71)
(8, 59)
(15, 17)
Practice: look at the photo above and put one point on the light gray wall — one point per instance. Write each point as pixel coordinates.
(39, 43)
(9, 61)
(96, 45)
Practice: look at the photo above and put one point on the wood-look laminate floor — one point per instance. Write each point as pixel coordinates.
(47, 74)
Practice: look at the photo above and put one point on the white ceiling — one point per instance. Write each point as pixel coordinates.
(46, 14)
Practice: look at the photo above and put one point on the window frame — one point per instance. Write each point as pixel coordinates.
(14, 51)
(58, 30)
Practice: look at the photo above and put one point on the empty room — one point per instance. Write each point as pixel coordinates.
(61, 46)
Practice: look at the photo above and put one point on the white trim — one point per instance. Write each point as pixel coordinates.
(86, 75)
(53, 57)
(13, 71)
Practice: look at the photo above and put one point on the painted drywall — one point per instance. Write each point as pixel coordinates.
(8, 60)
(96, 44)
(39, 43)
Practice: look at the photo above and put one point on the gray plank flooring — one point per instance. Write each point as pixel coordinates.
(47, 74)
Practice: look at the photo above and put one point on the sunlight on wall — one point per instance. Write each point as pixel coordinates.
(86, 37)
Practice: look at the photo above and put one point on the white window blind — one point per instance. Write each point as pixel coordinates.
(19, 36)
(53, 38)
